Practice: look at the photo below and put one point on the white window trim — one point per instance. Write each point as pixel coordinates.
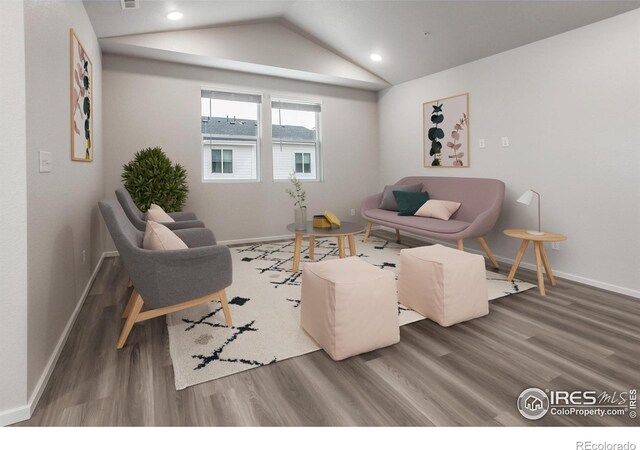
(319, 127)
(259, 139)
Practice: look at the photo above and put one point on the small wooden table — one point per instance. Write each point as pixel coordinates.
(541, 254)
(348, 229)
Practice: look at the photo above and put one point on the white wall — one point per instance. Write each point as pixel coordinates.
(62, 205)
(150, 103)
(570, 105)
(13, 215)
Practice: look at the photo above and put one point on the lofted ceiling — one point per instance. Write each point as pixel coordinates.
(457, 31)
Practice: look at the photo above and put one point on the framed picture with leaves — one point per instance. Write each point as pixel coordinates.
(446, 132)
(81, 101)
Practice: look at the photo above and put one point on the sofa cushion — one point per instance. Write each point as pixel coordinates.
(438, 209)
(388, 200)
(421, 223)
(157, 214)
(410, 202)
(159, 237)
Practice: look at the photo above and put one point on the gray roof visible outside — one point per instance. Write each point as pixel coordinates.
(242, 127)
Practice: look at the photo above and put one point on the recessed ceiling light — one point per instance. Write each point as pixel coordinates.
(375, 57)
(175, 15)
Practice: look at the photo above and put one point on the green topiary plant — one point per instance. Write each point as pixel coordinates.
(151, 177)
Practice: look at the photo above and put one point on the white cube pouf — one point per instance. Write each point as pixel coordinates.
(349, 306)
(445, 285)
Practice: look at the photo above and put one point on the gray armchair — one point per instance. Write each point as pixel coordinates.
(169, 280)
(138, 219)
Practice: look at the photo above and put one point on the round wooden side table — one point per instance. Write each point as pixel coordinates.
(348, 229)
(538, 248)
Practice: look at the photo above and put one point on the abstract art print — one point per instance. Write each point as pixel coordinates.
(81, 102)
(446, 132)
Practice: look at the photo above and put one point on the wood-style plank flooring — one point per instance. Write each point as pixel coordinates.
(577, 337)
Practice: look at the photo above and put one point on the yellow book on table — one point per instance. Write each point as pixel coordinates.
(331, 217)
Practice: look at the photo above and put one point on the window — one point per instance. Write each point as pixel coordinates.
(303, 163)
(221, 161)
(230, 124)
(296, 139)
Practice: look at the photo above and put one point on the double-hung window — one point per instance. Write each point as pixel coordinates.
(296, 139)
(230, 124)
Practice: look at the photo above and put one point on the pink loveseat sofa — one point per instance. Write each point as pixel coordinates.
(481, 202)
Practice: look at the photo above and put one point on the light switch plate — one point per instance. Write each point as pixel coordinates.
(45, 162)
(481, 143)
(505, 141)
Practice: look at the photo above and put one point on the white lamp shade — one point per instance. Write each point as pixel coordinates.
(526, 198)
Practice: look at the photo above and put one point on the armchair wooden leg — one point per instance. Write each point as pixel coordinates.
(487, 250)
(460, 245)
(130, 303)
(398, 236)
(225, 308)
(129, 283)
(366, 233)
(131, 319)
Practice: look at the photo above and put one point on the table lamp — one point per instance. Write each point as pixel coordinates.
(526, 199)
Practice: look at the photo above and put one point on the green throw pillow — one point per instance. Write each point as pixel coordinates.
(410, 202)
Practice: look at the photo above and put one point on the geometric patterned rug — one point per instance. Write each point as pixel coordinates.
(264, 300)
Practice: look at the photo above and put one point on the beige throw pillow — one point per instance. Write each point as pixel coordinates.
(438, 209)
(159, 237)
(157, 214)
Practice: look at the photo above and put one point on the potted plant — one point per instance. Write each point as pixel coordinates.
(151, 177)
(299, 196)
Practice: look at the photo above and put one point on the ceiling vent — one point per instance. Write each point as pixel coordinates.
(130, 4)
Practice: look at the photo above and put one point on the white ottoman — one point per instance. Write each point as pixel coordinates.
(349, 306)
(445, 285)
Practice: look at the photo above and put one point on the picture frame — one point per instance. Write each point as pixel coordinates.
(81, 99)
(446, 132)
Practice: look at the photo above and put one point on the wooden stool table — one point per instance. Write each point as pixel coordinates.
(541, 254)
(348, 229)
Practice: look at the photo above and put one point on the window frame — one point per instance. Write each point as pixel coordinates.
(277, 97)
(207, 140)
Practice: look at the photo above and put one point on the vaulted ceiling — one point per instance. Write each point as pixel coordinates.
(414, 38)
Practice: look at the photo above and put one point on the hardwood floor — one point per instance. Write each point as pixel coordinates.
(577, 337)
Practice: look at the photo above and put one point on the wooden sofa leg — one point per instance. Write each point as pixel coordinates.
(127, 309)
(225, 308)
(460, 245)
(129, 283)
(397, 236)
(487, 250)
(366, 233)
(131, 319)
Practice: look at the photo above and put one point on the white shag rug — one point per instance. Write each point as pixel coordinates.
(265, 307)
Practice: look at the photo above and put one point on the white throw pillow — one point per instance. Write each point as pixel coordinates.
(159, 237)
(438, 209)
(157, 214)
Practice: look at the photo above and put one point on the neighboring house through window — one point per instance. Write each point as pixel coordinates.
(296, 139)
(230, 125)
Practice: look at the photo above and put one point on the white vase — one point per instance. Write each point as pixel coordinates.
(300, 218)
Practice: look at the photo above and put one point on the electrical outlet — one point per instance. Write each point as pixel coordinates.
(84, 256)
(481, 143)
(353, 212)
(555, 245)
(505, 141)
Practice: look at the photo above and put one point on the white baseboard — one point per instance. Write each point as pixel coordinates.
(559, 274)
(14, 415)
(258, 239)
(25, 412)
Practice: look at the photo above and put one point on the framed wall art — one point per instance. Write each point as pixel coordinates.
(446, 132)
(81, 101)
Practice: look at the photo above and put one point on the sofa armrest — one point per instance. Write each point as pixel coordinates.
(175, 276)
(182, 215)
(371, 202)
(196, 237)
(184, 224)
